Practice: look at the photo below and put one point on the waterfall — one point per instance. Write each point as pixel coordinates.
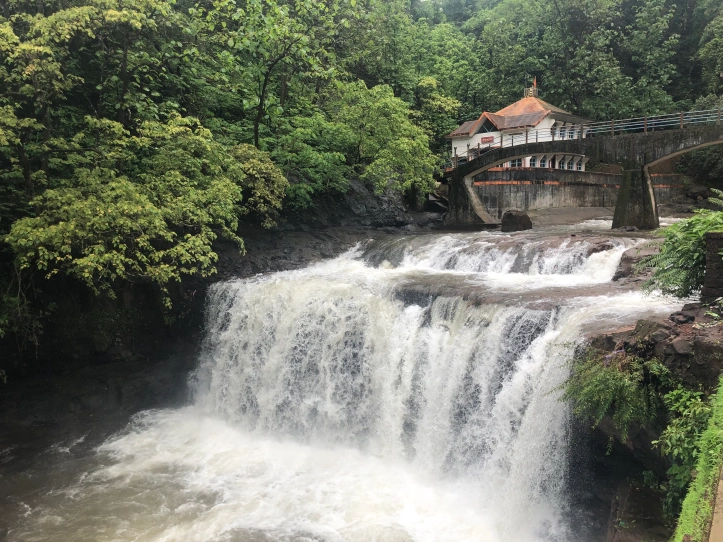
(462, 393)
(344, 402)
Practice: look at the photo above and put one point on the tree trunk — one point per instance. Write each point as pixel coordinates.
(27, 172)
(124, 78)
(284, 89)
(260, 108)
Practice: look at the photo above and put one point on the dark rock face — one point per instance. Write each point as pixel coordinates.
(358, 206)
(516, 221)
(689, 343)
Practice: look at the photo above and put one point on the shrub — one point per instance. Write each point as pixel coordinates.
(620, 385)
(679, 268)
(695, 518)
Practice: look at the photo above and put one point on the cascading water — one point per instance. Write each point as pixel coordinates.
(344, 403)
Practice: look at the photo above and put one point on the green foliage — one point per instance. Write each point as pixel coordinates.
(711, 54)
(382, 142)
(356, 131)
(154, 220)
(634, 391)
(435, 113)
(310, 152)
(679, 268)
(620, 385)
(263, 184)
(689, 413)
(19, 319)
(697, 508)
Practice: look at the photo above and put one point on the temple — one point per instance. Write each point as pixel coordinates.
(526, 121)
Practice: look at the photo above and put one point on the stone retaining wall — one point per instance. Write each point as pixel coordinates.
(713, 282)
(534, 188)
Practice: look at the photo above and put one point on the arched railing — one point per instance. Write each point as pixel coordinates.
(673, 121)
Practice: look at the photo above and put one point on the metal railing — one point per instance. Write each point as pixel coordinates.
(673, 121)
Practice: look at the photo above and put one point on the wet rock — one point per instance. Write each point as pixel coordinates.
(411, 227)
(698, 192)
(516, 221)
(274, 250)
(600, 247)
(692, 353)
(682, 347)
(645, 329)
(427, 219)
(610, 341)
(660, 349)
(631, 257)
(681, 318)
(660, 335)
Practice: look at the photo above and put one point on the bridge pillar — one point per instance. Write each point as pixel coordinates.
(636, 205)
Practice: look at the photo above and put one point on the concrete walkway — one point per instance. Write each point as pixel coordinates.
(716, 531)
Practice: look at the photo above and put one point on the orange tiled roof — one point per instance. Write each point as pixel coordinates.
(463, 130)
(525, 113)
(525, 106)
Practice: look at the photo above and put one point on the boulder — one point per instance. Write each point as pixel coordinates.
(599, 247)
(682, 347)
(698, 192)
(516, 221)
(631, 257)
(681, 318)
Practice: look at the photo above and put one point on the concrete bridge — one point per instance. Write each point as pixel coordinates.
(633, 144)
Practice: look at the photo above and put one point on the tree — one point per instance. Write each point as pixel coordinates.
(711, 55)
(435, 113)
(383, 144)
(153, 219)
(258, 39)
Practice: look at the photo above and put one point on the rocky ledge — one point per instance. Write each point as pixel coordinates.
(689, 342)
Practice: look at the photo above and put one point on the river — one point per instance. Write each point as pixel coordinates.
(407, 390)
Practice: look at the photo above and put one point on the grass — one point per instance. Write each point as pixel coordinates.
(697, 514)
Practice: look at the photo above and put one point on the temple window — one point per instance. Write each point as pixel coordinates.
(533, 161)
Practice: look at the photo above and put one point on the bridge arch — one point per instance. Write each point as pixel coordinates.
(634, 152)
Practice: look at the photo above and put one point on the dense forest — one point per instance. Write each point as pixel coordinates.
(134, 133)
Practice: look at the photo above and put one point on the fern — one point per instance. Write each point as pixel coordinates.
(620, 385)
(679, 268)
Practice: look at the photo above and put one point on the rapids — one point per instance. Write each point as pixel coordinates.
(406, 390)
